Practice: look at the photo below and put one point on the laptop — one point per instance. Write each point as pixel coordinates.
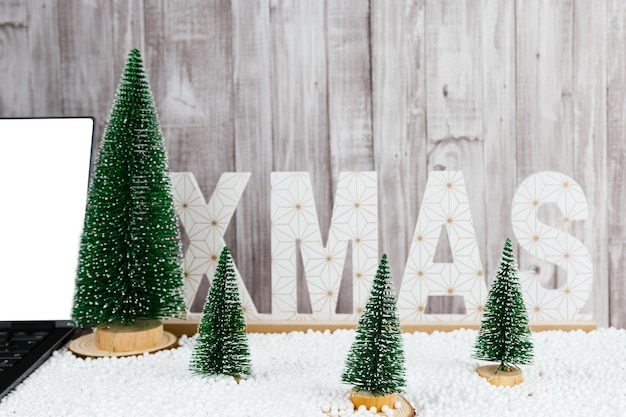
(45, 165)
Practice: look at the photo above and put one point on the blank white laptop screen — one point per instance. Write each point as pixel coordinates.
(44, 174)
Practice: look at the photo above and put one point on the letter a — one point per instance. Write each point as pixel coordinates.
(445, 204)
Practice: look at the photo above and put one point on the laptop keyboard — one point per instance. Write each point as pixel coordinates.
(24, 345)
(14, 345)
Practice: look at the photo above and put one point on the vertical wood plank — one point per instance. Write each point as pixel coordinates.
(300, 96)
(399, 123)
(88, 78)
(300, 102)
(349, 86)
(128, 31)
(616, 126)
(253, 144)
(349, 102)
(189, 50)
(45, 63)
(617, 286)
(454, 70)
(15, 95)
(545, 140)
(499, 174)
(590, 143)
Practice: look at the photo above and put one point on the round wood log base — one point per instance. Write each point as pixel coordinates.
(124, 340)
(499, 377)
(370, 400)
(404, 408)
(140, 335)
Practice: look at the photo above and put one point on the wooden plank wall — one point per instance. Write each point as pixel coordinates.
(498, 89)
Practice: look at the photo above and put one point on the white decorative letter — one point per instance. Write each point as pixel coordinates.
(295, 221)
(205, 225)
(552, 245)
(446, 204)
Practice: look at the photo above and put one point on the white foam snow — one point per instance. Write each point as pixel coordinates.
(299, 374)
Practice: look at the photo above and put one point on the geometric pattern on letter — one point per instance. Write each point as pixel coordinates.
(445, 203)
(295, 223)
(552, 245)
(205, 225)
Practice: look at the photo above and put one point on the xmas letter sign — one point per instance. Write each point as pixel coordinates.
(295, 227)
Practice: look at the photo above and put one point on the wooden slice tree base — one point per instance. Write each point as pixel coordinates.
(405, 409)
(499, 377)
(370, 400)
(85, 346)
(124, 340)
(140, 335)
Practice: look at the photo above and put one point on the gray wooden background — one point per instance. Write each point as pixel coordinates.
(499, 89)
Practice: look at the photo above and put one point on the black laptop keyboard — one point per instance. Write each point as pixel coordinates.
(14, 345)
(24, 345)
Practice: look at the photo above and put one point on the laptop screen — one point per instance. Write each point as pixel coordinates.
(44, 174)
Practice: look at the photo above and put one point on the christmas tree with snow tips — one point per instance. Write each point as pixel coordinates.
(129, 266)
(222, 345)
(505, 336)
(375, 362)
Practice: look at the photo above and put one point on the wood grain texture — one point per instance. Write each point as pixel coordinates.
(616, 132)
(499, 134)
(88, 76)
(128, 30)
(253, 143)
(617, 284)
(15, 93)
(454, 69)
(399, 118)
(349, 87)
(498, 89)
(300, 96)
(190, 65)
(45, 62)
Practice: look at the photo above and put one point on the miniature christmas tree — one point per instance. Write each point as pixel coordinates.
(222, 346)
(130, 255)
(375, 362)
(504, 333)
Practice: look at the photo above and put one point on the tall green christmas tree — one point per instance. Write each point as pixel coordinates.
(504, 333)
(130, 257)
(222, 346)
(375, 362)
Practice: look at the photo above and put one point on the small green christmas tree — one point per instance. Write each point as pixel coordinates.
(130, 256)
(504, 333)
(375, 362)
(222, 346)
